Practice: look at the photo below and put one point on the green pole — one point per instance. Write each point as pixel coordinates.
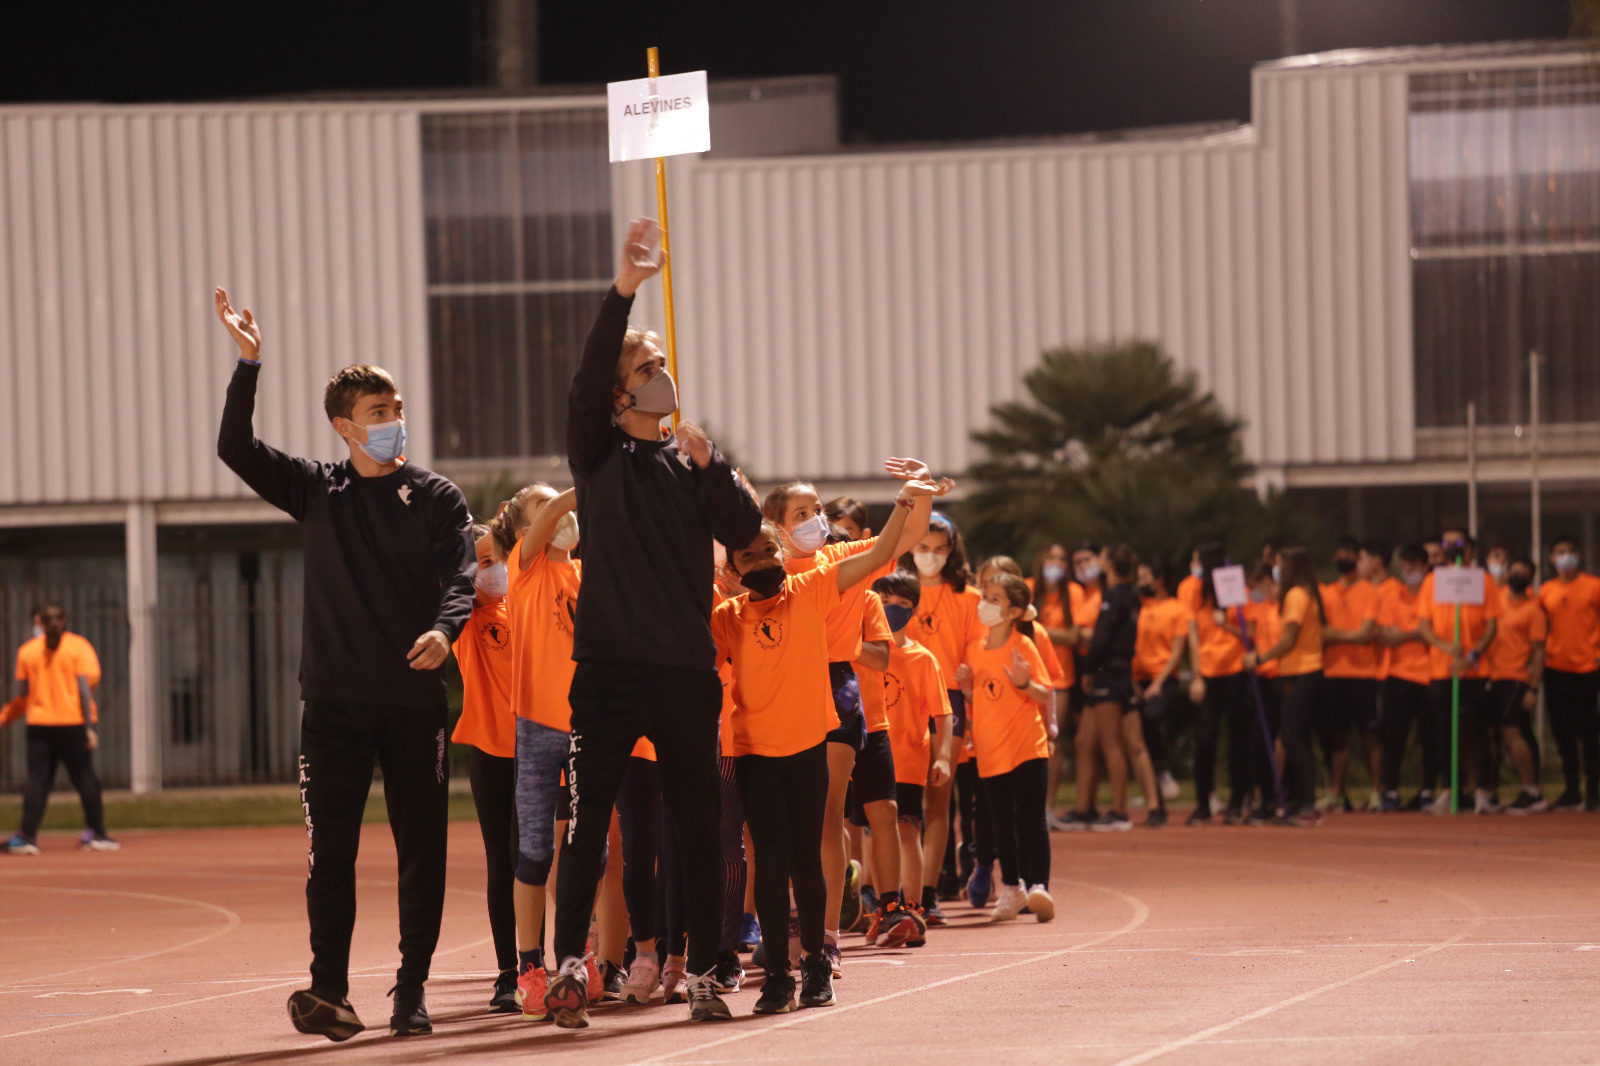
(1455, 726)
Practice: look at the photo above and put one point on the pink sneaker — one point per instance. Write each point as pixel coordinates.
(673, 981)
(644, 977)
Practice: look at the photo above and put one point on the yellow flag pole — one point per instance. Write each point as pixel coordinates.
(666, 252)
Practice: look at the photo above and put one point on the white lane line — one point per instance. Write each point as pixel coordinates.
(231, 922)
(222, 995)
(1140, 914)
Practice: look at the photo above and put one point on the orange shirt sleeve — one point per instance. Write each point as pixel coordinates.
(875, 624)
(1296, 606)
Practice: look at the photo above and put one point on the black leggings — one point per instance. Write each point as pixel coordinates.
(1570, 699)
(1474, 692)
(1015, 802)
(1227, 699)
(966, 807)
(784, 800)
(1299, 710)
(640, 813)
(733, 859)
(1153, 717)
(66, 745)
(1405, 702)
(494, 793)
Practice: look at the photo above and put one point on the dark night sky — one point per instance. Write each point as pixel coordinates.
(930, 70)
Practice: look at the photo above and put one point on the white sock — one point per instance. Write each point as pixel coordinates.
(830, 936)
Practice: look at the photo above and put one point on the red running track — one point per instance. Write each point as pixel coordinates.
(1375, 939)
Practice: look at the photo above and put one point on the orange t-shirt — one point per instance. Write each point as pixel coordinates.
(874, 627)
(1522, 627)
(782, 699)
(1007, 729)
(1221, 653)
(1400, 608)
(914, 692)
(844, 624)
(1265, 629)
(543, 600)
(1350, 607)
(54, 697)
(1474, 619)
(1161, 623)
(1385, 653)
(1573, 608)
(1053, 614)
(483, 651)
(945, 622)
(1306, 655)
(1047, 655)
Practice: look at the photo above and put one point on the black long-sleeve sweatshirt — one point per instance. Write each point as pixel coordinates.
(386, 559)
(647, 521)
(1116, 631)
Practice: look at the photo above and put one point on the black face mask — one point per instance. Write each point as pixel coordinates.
(1344, 565)
(1147, 591)
(1519, 584)
(764, 583)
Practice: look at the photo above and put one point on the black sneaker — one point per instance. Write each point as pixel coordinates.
(318, 1015)
(705, 999)
(1570, 800)
(1261, 816)
(1233, 816)
(1156, 819)
(934, 916)
(410, 1017)
(612, 978)
(729, 972)
(777, 995)
(816, 989)
(505, 994)
(1419, 801)
(949, 886)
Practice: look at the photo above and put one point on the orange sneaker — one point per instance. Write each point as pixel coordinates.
(531, 987)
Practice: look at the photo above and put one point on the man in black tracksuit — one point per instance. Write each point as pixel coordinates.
(389, 565)
(649, 506)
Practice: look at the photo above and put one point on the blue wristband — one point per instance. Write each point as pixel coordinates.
(249, 362)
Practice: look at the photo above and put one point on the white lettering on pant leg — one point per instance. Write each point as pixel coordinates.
(572, 785)
(305, 805)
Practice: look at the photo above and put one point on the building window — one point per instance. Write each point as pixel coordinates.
(518, 211)
(1505, 243)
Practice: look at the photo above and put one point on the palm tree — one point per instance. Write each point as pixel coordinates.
(1113, 444)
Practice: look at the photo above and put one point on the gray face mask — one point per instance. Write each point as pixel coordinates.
(658, 396)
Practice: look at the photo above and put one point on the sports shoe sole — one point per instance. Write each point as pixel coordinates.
(568, 1006)
(717, 1013)
(101, 845)
(407, 1030)
(898, 935)
(22, 849)
(315, 1016)
(787, 1008)
(1119, 827)
(1042, 906)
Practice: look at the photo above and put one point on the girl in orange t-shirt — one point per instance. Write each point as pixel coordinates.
(776, 637)
(946, 622)
(1012, 717)
(1298, 652)
(488, 726)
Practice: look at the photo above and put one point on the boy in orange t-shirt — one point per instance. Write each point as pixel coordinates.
(1572, 673)
(1408, 670)
(1348, 702)
(776, 637)
(1516, 668)
(56, 675)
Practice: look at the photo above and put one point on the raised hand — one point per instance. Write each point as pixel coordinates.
(695, 444)
(241, 326)
(907, 469)
(1018, 670)
(641, 258)
(926, 488)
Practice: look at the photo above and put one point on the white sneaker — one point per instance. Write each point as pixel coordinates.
(1168, 785)
(1440, 804)
(1484, 802)
(1009, 905)
(1374, 803)
(1136, 802)
(644, 976)
(1041, 904)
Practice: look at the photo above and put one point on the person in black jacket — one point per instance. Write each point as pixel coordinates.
(650, 505)
(1108, 680)
(389, 569)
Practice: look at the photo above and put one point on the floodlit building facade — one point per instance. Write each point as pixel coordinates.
(1394, 235)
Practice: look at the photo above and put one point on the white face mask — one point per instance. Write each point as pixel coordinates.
(1497, 571)
(990, 614)
(929, 563)
(565, 537)
(493, 581)
(1089, 572)
(1566, 562)
(811, 534)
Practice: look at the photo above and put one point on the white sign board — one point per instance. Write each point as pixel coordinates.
(1458, 584)
(1228, 581)
(652, 117)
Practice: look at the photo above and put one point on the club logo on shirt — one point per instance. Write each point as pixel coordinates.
(566, 612)
(769, 633)
(495, 635)
(930, 623)
(405, 495)
(893, 690)
(991, 688)
(340, 487)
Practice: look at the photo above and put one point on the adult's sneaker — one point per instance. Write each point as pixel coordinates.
(1041, 903)
(675, 982)
(1009, 905)
(1156, 819)
(850, 908)
(1570, 800)
(531, 988)
(92, 841)
(705, 999)
(1390, 804)
(1112, 822)
(1058, 823)
(933, 915)
(1485, 802)
(1527, 803)
(1308, 818)
(410, 1014)
(1233, 815)
(949, 887)
(1421, 801)
(749, 933)
(777, 995)
(318, 1015)
(504, 999)
(1076, 822)
(981, 885)
(1440, 804)
(729, 973)
(567, 998)
(644, 977)
(21, 845)
(1168, 786)
(816, 981)
(1199, 816)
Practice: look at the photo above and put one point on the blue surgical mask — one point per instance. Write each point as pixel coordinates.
(1197, 571)
(386, 441)
(1258, 595)
(1054, 573)
(899, 617)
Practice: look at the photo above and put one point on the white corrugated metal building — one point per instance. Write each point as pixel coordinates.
(1312, 267)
